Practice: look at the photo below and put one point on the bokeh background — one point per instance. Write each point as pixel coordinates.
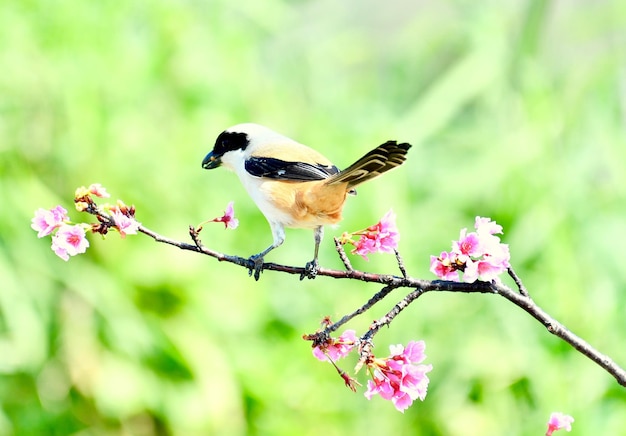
(516, 110)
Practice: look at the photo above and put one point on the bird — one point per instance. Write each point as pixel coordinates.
(293, 185)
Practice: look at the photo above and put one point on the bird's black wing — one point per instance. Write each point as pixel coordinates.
(283, 170)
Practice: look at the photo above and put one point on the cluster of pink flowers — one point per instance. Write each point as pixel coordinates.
(478, 255)
(559, 421)
(70, 239)
(400, 377)
(381, 237)
(336, 348)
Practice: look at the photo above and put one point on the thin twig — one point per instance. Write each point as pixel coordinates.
(518, 282)
(342, 255)
(375, 299)
(400, 263)
(386, 320)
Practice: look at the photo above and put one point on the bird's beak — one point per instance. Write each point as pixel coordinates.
(211, 161)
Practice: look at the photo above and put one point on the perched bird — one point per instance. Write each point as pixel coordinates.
(292, 184)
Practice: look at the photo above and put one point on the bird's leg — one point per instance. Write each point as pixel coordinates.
(278, 233)
(311, 268)
(257, 259)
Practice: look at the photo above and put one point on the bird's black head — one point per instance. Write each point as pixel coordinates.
(225, 142)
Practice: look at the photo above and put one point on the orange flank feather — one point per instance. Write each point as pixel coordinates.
(308, 204)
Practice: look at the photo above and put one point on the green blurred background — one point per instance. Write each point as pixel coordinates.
(516, 110)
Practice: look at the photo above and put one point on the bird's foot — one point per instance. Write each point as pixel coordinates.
(256, 266)
(310, 270)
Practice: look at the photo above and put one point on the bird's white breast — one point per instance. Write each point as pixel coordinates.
(257, 188)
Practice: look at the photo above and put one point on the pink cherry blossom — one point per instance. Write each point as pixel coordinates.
(444, 266)
(485, 270)
(46, 221)
(381, 237)
(229, 220)
(413, 352)
(468, 244)
(365, 245)
(124, 224)
(559, 421)
(338, 348)
(400, 378)
(379, 385)
(484, 226)
(69, 241)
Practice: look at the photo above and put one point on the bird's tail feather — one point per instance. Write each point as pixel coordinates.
(383, 158)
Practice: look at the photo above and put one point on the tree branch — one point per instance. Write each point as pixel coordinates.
(520, 297)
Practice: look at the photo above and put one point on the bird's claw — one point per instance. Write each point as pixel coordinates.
(256, 267)
(310, 270)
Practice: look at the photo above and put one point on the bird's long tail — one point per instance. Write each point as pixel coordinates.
(383, 158)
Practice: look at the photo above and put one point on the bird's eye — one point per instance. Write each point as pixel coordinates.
(222, 146)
